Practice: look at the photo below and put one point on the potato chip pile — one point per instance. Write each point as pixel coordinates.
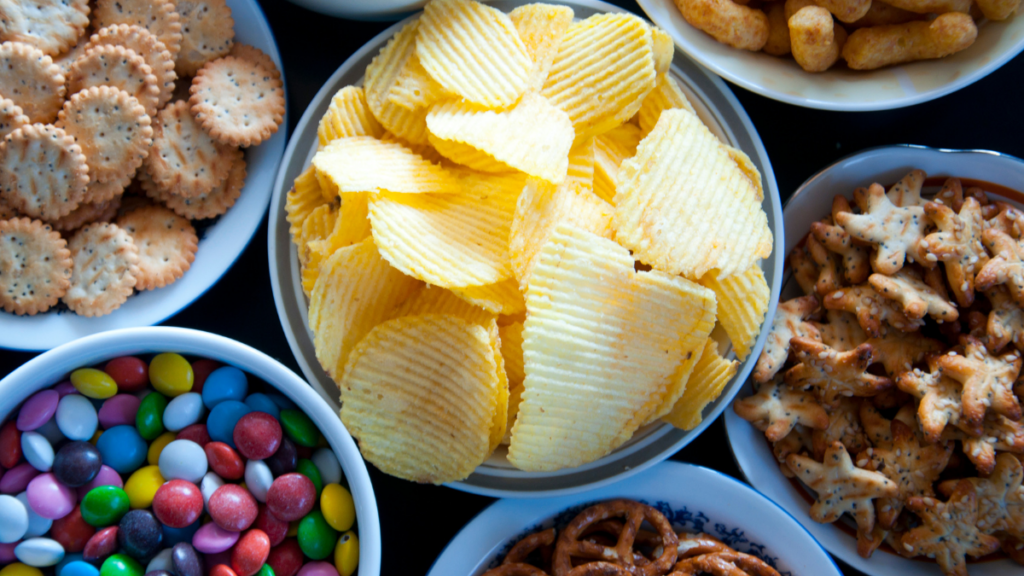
(470, 233)
(906, 344)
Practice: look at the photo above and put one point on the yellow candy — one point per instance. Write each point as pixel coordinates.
(170, 374)
(94, 383)
(96, 437)
(142, 486)
(337, 506)
(293, 529)
(158, 445)
(346, 554)
(19, 569)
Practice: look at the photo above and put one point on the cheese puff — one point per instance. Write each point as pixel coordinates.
(816, 39)
(794, 6)
(778, 30)
(727, 22)
(933, 6)
(878, 46)
(882, 14)
(846, 10)
(998, 9)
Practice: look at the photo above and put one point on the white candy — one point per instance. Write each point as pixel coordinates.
(162, 561)
(208, 486)
(76, 417)
(258, 479)
(39, 552)
(37, 451)
(183, 411)
(51, 432)
(37, 525)
(327, 463)
(183, 459)
(13, 519)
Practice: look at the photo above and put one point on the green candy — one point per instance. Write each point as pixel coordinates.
(316, 537)
(150, 417)
(299, 427)
(309, 470)
(120, 565)
(265, 570)
(104, 506)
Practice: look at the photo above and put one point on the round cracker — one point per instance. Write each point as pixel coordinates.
(118, 67)
(42, 171)
(35, 266)
(52, 26)
(11, 117)
(207, 32)
(112, 128)
(104, 269)
(89, 213)
(256, 56)
(184, 159)
(145, 44)
(157, 16)
(31, 80)
(98, 192)
(210, 205)
(238, 102)
(6, 210)
(167, 245)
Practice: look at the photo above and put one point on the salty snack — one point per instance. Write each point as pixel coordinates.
(145, 44)
(815, 39)
(207, 33)
(11, 117)
(111, 127)
(237, 102)
(42, 171)
(185, 159)
(31, 80)
(52, 26)
(157, 16)
(105, 269)
(728, 22)
(117, 67)
(36, 266)
(875, 47)
(167, 245)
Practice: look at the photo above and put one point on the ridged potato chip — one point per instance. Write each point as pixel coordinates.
(501, 298)
(748, 168)
(600, 344)
(348, 115)
(581, 165)
(533, 136)
(474, 51)
(602, 72)
(539, 209)
(512, 354)
(316, 253)
(414, 88)
(426, 151)
(677, 382)
(380, 81)
(449, 240)
(666, 95)
(706, 383)
(436, 300)
(664, 49)
(610, 149)
(356, 290)
(742, 304)
(316, 226)
(421, 394)
(302, 199)
(541, 27)
(365, 164)
(684, 206)
(353, 223)
(499, 422)
(466, 155)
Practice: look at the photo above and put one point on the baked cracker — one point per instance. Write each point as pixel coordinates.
(841, 332)
(1006, 266)
(873, 312)
(987, 380)
(184, 159)
(98, 192)
(157, 16)
(1000, 497)
(957, 244)
(207, 33)
(895, 230)
(112, 128)
(980, 444)
(52, 26)
(938, 395)
(916, 298)
(1005, 322)
(35, 266)
(88, 213)
(167, 245)
(117, 67)
(238, 102)
(833, 374)
(776, 409)
(145, 44)
(805, 269)
(854, 257)
(256, 56)
(210, 205)
(11, 117)
(829, 278)
(105, 269)
(950, 531)
(790, 321)
(43, 173)
(31, 80)
(6, 210)
(843, 426)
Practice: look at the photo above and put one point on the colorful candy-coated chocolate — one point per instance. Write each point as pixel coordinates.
(284, 460)
(102, 544)
(39, 552)
(157, 446)
(316, 537)
(174, 535)
(223, 418)
(79, 568)
(338, 507)
(225, 383)
(201, 370)
(159, 573)
(150, 418)
(328, 465)
(72, 531)
(37, 410)
(258, 479)
(306, 467)
(178, 503)
(37, 525)
(19, 569)
(211, 482)
(10, 445)
(299, 428)
(77, 417)
(257, 435)
(286, 558)
(162, 561)
(185, 561)
(139, 534)
(104, 505)
(119, 410)
(121, 565)
(291, 496)
(218, 558)
(51, 432)
(185, 410)
(49, 498)
(250, 552)
(170, 374)
(65, 388)
(122, 448)
(13, 519)
(233, 507)
(265, 570)
(107, 476)
(260, 402)
(184, 460)
(130, 373)
(16, 479)
(318, 569)
(224, 461)
(222, 570)
(142, 486)
(94, 383)
(196, 433)
(346, 554)
(77, 463)
(212, 539)
(275, 528)
(37, 450)
(283, 402)
(7, 552)
(68, 558)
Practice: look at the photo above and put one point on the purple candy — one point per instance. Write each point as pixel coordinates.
(65, 388)
(211, 539)
(49, 498)
(7, 552)
(37, 410)
(16, 479)
(107, 476)
(119, 410)
(318, 569)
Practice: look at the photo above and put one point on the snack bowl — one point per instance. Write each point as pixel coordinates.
(840, 88)
(363, 9)
(54, 366)
(718, 109)
(811, 201)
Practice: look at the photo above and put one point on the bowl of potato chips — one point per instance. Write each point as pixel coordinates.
(527, 248)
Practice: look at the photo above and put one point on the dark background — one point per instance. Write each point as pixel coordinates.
(418, 521)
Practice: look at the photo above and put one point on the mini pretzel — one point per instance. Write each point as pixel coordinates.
(895, 230)
(729, 563)
(987, 380)
(854, 257)
(871, 309)
(790, 321)
(916, 298)
(528, 545)
(691, 545)
(569, 545)
(834, 374)
(1006, 267)
(515, 570)
(776, 409)
(599, 569)
(950, 531)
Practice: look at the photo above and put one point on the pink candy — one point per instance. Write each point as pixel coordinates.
(49, 498)
(119, 410)
(212, 539)
(16, 479)
(7, 552)
(107, 476)
(65, 388)
(318, 569)
(37, 410)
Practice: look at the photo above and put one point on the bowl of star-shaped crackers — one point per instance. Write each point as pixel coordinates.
(885, 411)
(137, 142)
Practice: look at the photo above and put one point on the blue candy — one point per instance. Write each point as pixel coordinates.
(226, 383)
(222, 420)
(67, 559)
(78, 568)
(260, 402)
(122, 449)
(173, 536)
(282, 401)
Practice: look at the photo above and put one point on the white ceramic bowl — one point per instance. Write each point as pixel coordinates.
(693, 498)
(840, 88)
(219, 245)
(716, 106)
(363, 9)
(54, 366)
(810, 203)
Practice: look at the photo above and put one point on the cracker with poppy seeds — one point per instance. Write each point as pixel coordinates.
(987, 380)
(97, 192)
(43, 173)
(829, 278)
(896, 231)
(1006, 266)
(167, 245)
(210, 205)
(1000, 497)
(906, 191)
(32, 81)
(879, 428)
(805, 269)
(950, 530)
(916, 298)
(158, 16)
(145, 44)
(256, 56)
(776, 409)
(831, 374)
(980, 444)
(112, 128)
(236, 101)
(184, 159)
(798, 441)
(6, 211)
(88, 213)
(35, 266)
(207, 33)
(117, 67)
(853, 257)
(874, 313)
(11, 117)
(841, 331)
(938, 398)
(104, 272)
(790, 321)
(1005, 321)
(52, 26)
(958, 244)
(843, 426)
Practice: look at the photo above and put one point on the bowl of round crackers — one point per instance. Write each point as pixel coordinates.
(450, 268)
(138, 143)
(884, 413)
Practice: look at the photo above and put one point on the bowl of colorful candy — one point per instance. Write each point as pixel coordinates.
(173, 452)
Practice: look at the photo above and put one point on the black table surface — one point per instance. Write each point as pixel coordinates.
(418, 521)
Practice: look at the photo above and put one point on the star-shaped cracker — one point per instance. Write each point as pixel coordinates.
(950, 530)
(907, 192)
(916, 298)
(798, 441)
(843, 426)
(1000, 497)
(996, 433)
(854, 257)
(1005, 321)
(1007, 221)
(841, 331)
(842, 487)
(871, 309)
(776, 409)
(790, 321)
(828, 270)
(805, 271)
(987, 380)
(899, 351)
(958, 245)
(914, 468)
(833, 374)
(938, 395)
(895, 230)
(879, 428)
(1006, 266)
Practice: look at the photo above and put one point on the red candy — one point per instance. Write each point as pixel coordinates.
(291, 496)
(233, 508)
(222, 570)
(130, 373)
(275, 528)
(286, 559)
(10, 445)
(200, 370)
(196, 433)
(250, 553)
(178, 503)
(72, 532)
(224, 461)
(257, 435)
(101, 545)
